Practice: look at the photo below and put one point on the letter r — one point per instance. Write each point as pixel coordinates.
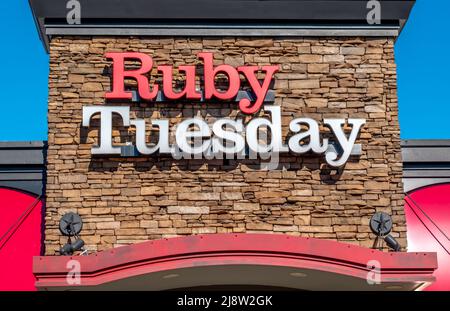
(119, 75)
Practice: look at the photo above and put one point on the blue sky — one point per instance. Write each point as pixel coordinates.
(422, 55)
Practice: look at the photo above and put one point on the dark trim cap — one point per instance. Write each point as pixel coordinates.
(22, 166)
(425, 163)
(220, 17)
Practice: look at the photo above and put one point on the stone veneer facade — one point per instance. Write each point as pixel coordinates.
(129, 200)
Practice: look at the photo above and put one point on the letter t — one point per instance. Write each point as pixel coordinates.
(105, 145)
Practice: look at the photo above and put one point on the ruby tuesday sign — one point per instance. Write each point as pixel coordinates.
(226, 137)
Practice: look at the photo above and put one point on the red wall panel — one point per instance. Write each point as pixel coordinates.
(18, 247)
(428, 220)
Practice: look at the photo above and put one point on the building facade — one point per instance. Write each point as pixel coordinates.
(324, 81)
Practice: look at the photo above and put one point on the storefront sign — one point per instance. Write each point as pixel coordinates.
(227, 137)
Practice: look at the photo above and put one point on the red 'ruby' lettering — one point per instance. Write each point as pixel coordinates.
(210, 72)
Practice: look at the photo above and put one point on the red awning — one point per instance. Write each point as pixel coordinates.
(274, 260)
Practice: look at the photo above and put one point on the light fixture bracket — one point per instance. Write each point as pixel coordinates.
(381, 224)
(70, 224)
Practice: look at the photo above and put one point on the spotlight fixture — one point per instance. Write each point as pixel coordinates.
(392, 243)
(381, 226)
(70, 248)
(70, 225)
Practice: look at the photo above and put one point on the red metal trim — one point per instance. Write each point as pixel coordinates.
(429, 224)
(235, 249)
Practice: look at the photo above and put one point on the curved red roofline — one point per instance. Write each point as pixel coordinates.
(235, 249)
